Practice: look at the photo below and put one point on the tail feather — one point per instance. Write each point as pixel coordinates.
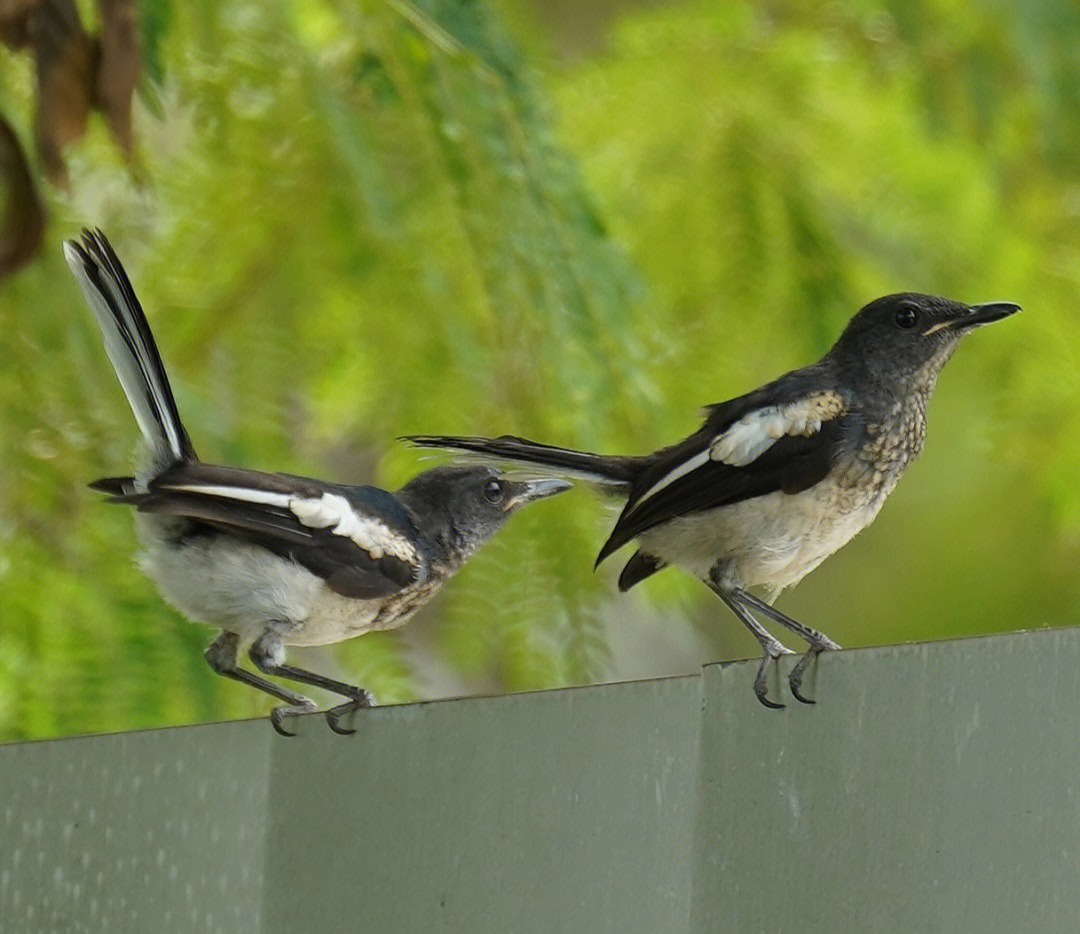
(562, 462)
(114, 486)
(129, 343)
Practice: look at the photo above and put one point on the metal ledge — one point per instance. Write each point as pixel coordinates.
(934, 787)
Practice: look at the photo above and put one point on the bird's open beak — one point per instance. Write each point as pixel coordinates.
(525, 491)
(975, 316)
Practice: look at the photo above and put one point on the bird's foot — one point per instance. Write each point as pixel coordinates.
(773, 652)
(278, 714)
(795, 679)
(362, 700)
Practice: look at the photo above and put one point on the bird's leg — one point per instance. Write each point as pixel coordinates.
(772, 648)
(819, 642)
(221, 656)
(268, 655)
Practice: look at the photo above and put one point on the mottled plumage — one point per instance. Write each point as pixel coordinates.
(778, 479)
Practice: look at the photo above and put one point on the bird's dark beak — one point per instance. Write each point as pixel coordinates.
(525, 491)
(973, 316)
(984, 314)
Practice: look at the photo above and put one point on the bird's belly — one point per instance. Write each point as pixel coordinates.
(773, 540)
(245, 589)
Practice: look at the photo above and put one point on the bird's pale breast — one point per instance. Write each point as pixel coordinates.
(777, 539)
(243, 588)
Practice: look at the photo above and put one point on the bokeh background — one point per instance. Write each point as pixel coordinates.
(578, 222)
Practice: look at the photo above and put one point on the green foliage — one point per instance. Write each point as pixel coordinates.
(350, 222)
(807, 162)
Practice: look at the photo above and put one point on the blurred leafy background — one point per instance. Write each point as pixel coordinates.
(579, 222)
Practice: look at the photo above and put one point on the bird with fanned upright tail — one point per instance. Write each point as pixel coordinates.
(273, 559)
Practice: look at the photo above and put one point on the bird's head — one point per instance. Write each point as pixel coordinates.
(907, 338)
(461, 507)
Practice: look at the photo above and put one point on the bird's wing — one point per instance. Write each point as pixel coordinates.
(360, 540)
(783, 437)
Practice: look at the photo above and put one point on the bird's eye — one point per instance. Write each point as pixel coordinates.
(493, 492)
(907, 316)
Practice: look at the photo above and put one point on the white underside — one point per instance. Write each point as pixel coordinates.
(246, 589)
(773, 540)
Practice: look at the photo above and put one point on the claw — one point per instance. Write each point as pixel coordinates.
(332, 718)
(761, 685)
(278, 715)
(773, 705)
(334, 714)
(796, 676)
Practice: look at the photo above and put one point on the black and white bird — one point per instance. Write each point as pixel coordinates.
(272, 559)
(776, 480)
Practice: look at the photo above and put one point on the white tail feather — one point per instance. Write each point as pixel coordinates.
(128, 343)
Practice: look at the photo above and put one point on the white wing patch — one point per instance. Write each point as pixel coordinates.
(749, 437)
(752, 435)
(243, 494)
(702, 457)
(332, 511)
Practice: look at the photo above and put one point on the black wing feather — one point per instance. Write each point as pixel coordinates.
(251, 520)
(637, 569)
(792, 464)
(347, 568)
(114, 486)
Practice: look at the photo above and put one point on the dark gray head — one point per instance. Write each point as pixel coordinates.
(461, 507)
(907, 338)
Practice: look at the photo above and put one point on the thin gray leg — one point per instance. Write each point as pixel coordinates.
(819, 642)
(268, 655)
(221, 656)
(771, 647)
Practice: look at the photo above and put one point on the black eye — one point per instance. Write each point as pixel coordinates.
(493, 492)
(906, 316)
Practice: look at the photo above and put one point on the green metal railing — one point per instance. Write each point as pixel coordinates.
(934, 787)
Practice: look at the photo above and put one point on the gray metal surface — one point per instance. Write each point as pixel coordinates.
(155, 831)
(933, 788)
(559, 811)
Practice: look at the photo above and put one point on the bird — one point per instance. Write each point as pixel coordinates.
(779, 478)
(271, 559)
